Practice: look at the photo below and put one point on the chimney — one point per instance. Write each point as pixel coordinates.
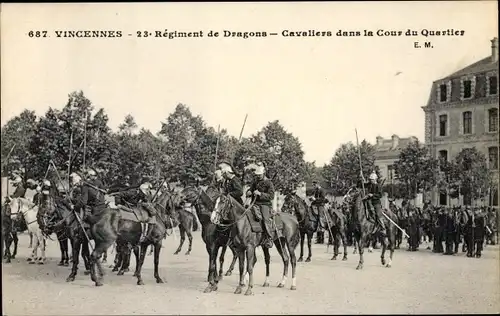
(395, 141)
(380, 141)
(494, 50)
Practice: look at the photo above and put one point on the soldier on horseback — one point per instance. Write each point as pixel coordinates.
(20, 189)
(45, 202)
(262, 192)
(374, 194)
(318, 201)
(231, 184)
(89, 197)
(142, 199)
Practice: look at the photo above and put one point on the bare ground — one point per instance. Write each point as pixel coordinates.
(418, 282)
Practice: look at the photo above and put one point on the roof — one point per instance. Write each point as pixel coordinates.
(483, 65)
(384, 148)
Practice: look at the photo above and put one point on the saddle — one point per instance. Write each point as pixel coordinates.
(256, 220)
(136, 214)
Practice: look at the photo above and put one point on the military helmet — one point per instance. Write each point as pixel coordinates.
(226, 167)
(373, 176)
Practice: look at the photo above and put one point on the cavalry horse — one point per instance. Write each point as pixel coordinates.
(247, 235)
(366, 229)
(129, 233)
(214, 236)
(9, 233)
(28, 211)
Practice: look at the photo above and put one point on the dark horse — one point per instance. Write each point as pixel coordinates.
(246, 235)
(365, 228)
(129, 233)
(187, 221)
(9, 233)
(62, 221)
(214, 236)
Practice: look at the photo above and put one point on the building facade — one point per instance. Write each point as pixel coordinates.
(462, 112)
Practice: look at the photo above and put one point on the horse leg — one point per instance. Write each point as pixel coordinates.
(15, 239)
(86, 255)
(361, 240)
(100, 247)
(126, 252)
(267, 260)
(34, 252)
(286, 260)
(139, 265)
(212, 250)
(43, 244)
(309, 246)
(118, 258)
(231, 267)
(190, 239)
(152, 250)
(61, 248)
(31, 240)
(137, 257)
(355, 246)
(344, 243)
(241, 263)
(8, 242)
(302, 237)
(221, 262)
(251, 259)
(66, 251)
(384, 248)
(336, 244)
(75, 247)
(391, 243)
(105, 257)
(182, 232)
(157, 249)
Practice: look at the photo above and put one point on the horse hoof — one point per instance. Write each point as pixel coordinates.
(121, 272)
(176, 253)
(114, 269)
(388, 265)
(66, 264)
(99, 283)
(208, 289)
(60, 264)
(359, 267)
(32, 262)
(70, 279)
(86, 272)
(383, 262)
(135, 274)
(238, 290)
(126, 270)
(220, 277)
(187, 253)
(308, 260)
(344, 258)
(300, 259)
(29, 259)
(228, 273)
(281, 285)
(266, 284)
(159, 280)
(40, 262)
(7, 261)
(249, 292)
(293, 288)
(140, 282)
(13, 257)
(334, 258)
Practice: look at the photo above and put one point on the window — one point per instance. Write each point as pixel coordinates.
(390, 173)
(467, 119)
(443, 93)
(493, 120)
(467, 89)
(443, 198)
(443, 121)
(443, 157)
(467, 198)
(493, 155)
(493, 83)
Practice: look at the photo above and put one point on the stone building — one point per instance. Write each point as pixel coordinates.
(462, 112)
(387, 153)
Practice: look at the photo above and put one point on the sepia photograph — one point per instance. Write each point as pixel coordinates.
(250, 158)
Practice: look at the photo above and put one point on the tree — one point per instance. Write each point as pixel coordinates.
(128, 126)
(469, 175)
(343, 171)
(282, 155)
(72, 127)
(415, 170)
(18, 131)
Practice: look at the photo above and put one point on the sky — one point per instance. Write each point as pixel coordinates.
(319, 88)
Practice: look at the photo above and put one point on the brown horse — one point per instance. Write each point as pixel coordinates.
(9, 234)
(366, 229)
(246, 235)
(214, 236)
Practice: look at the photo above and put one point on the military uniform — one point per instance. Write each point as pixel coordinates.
(92, 198)
(373, 203)
(20, 191)
(234, 188)
(138, 198)
(265, 203)
(319, 203)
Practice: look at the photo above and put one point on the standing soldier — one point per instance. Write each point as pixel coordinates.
(231, 184)
(374, 194)
(262, 192)
(318, 201)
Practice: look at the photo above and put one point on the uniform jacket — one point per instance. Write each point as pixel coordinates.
(376, 190)
(19, 192)
(320, 196)
(266, 188)
(132, 197)
(90, 197)
(234, 188)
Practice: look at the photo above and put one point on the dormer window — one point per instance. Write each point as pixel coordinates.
(444, 91)
(467, 87)
(491, 84)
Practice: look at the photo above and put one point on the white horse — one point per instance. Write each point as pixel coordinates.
(29, 211)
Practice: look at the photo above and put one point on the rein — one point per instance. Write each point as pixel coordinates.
(240, 217)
